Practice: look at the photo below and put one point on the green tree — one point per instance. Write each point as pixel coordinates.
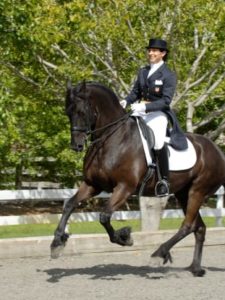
(45, 42)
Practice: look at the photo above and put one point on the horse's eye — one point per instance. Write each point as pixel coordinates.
(81, 114)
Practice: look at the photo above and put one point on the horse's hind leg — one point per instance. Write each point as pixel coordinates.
(61, 237)
(199, 233)
(123, 235)
(164, 249)
(191, 223)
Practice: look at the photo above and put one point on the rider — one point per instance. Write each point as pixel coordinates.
(150, 98)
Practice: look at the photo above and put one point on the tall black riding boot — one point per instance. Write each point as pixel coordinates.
(162, 186)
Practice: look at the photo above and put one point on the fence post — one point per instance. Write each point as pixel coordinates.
(151, 208)
(219, 206)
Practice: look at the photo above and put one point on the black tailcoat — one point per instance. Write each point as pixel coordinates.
(158, 90)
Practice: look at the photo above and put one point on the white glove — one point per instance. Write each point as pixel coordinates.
(123, 103)
(138, 107)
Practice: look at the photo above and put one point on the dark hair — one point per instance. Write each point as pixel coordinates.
(165, 57)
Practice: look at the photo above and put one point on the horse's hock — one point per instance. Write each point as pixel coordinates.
(151, 209)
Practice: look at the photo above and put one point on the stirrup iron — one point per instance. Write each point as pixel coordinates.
(162, 188)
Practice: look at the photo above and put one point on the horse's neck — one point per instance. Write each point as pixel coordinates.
(107, 113)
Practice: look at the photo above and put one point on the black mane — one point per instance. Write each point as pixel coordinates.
(72, 91)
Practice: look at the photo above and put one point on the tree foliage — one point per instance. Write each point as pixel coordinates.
(45, 42)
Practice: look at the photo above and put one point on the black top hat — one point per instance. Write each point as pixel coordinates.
(158, 44)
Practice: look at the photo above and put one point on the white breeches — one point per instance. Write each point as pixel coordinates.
(158, 122)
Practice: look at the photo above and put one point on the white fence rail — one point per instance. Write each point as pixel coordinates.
(65, 194)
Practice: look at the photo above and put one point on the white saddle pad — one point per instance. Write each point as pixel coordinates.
(178, 160)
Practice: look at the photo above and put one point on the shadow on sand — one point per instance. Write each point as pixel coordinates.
(114, 272)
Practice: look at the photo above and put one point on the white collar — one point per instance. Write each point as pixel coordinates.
(157, 65)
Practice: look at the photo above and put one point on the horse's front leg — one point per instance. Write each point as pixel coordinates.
(60, 237)
(123, 235)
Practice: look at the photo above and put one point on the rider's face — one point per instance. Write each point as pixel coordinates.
(155, 55)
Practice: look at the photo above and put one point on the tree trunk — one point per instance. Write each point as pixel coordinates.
(18, 176)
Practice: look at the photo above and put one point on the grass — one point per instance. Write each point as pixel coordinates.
(13, 231)
(31, 230)
(175, 223)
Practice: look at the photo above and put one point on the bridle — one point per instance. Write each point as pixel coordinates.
(84, 129)
(79, 129)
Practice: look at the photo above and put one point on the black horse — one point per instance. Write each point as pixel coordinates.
(115, 163)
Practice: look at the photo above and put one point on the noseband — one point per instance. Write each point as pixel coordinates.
(79, 129)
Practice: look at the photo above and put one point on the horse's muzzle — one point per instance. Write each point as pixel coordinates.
(78, 139)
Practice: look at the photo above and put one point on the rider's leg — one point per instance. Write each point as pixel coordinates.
(157, 121)
(162, 186)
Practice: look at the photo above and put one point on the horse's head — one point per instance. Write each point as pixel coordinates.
(78, 111)
(91, 107)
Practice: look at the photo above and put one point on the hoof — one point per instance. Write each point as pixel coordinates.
(166, 257)
(129, 242)
(56, 251)
(123, 237)
(155, 262)
(196, 272)
(58, 245)
(199, 273)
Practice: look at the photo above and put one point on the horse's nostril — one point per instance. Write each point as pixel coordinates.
(77, 148)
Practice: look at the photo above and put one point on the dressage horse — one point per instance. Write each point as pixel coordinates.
(115, 163)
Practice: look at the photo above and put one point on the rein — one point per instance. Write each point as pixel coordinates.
(101, 139)
(123, 118)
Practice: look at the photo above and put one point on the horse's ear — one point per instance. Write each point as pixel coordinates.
(83, 86)
(68, 84)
